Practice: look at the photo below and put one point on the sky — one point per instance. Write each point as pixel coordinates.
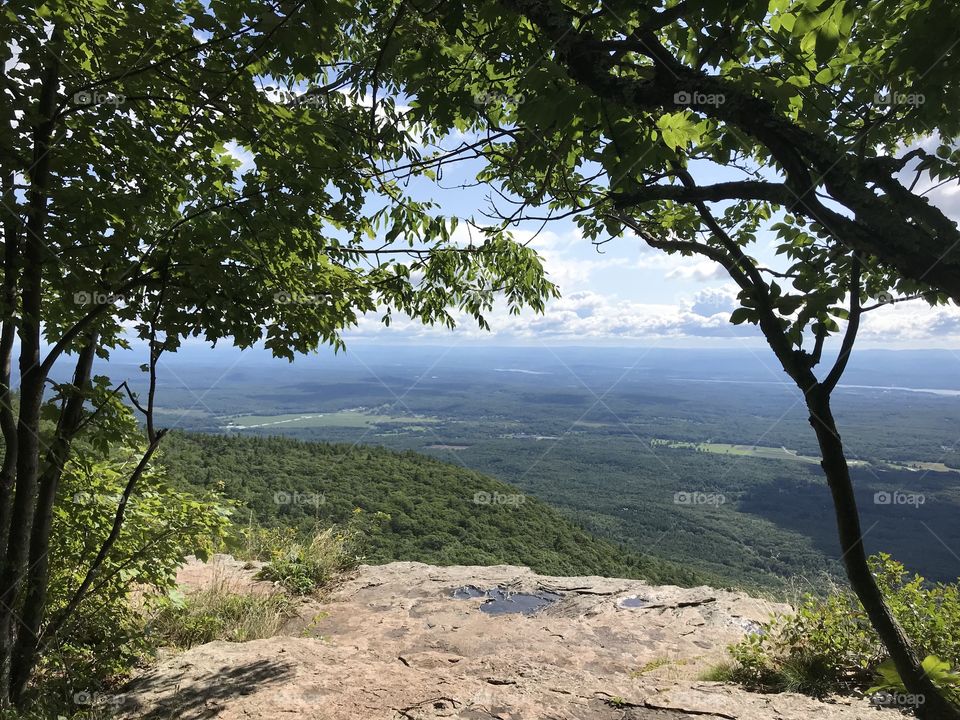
(625, 292)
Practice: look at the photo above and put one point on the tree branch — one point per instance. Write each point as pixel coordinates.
(850, 335)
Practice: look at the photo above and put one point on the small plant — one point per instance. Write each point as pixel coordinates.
(939, 671)
(809, 673)
(252, 542)
(650, 666)
(828, 644)
(305, 568)
(722, 672)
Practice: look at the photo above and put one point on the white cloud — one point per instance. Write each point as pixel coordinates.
(678, 267)
(586, 315)
(912, 323)
(589, 316)
(712, 301)
(702, 271)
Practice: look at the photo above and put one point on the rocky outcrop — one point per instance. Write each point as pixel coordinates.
(414, 641)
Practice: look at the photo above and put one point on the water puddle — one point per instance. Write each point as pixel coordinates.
(635, 601)
(503, 602)
(467, 592)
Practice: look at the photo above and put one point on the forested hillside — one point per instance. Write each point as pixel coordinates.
(438, 513)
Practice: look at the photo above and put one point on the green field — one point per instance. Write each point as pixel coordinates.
(344, 418)
(769, 453)
(781, 453)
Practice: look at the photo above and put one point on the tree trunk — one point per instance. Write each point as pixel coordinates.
(32, 374)
(24, 655)
(28, 448)
(8, 295)
(933, 706)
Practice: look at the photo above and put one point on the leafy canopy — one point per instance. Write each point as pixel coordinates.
(699, 127)
(213, 174)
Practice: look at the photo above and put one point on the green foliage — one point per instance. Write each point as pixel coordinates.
(939, 671)
(162, 527)
(303, 569)
(438, 513)
(632, 109)
(829, 645)
(217, 614)
(163, 198)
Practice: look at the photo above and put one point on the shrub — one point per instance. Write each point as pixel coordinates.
(828, 644)
(104, 638)
(303, 568)
(256, 542)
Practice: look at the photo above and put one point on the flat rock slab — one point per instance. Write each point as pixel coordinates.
(393, 642)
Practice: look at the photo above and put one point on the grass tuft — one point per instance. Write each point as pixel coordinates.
(217, 613)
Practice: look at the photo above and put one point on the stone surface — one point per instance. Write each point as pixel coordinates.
(393, 642)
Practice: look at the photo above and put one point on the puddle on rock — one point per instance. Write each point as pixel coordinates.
(635, 601)
(468, 591)
(503, 602)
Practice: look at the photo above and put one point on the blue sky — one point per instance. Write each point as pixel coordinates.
(627, 293)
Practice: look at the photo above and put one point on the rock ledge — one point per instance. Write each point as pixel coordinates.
(394, 642)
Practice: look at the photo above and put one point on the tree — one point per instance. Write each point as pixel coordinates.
(623, 115)
(162, 526)
(189, 169)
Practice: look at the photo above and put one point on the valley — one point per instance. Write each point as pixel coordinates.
(626, 449)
